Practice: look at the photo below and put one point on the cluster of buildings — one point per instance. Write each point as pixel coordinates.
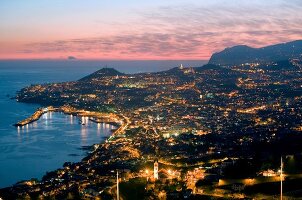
(199, 125)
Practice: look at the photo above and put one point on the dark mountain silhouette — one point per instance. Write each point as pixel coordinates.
(101, 73)
(245, 54)
(279, 65)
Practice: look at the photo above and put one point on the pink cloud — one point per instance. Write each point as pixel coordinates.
(177, 32)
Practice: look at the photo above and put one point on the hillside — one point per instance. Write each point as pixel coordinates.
(245, 54)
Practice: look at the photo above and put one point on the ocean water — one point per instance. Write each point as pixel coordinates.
(45, 145)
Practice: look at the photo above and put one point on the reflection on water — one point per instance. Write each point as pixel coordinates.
(83, 135)
(99, 129)
(44, 145)
(71, 119)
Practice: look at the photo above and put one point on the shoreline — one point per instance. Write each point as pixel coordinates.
(35, 116)
(118, 120)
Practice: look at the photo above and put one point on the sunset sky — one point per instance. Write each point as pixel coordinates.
(142, 29)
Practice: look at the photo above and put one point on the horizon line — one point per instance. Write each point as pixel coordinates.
(94, 59)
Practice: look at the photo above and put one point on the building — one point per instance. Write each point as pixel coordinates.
(156, 170)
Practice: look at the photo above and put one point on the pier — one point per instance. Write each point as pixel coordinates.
(34, 117)
(118, 120)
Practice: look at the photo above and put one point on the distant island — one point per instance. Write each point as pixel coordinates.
(219, 129)
(71, 58)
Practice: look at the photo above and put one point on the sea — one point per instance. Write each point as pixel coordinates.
(56, 138)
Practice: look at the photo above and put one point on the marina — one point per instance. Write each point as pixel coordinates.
(119, 121)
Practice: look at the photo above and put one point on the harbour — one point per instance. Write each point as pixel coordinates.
(29, 151)
(117, 120)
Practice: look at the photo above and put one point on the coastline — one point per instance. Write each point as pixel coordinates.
(35, 116)
(118, 120)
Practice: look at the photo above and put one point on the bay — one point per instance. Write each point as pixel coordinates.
(45, 145)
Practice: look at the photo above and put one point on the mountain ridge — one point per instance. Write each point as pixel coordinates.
(244, 54)
(102, 72)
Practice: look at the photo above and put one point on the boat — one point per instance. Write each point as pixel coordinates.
(81, 122)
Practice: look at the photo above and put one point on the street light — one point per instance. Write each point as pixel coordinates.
(281, 177)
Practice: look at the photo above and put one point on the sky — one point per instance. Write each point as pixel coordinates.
(142, 29)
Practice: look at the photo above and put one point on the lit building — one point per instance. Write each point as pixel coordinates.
(156, 170)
